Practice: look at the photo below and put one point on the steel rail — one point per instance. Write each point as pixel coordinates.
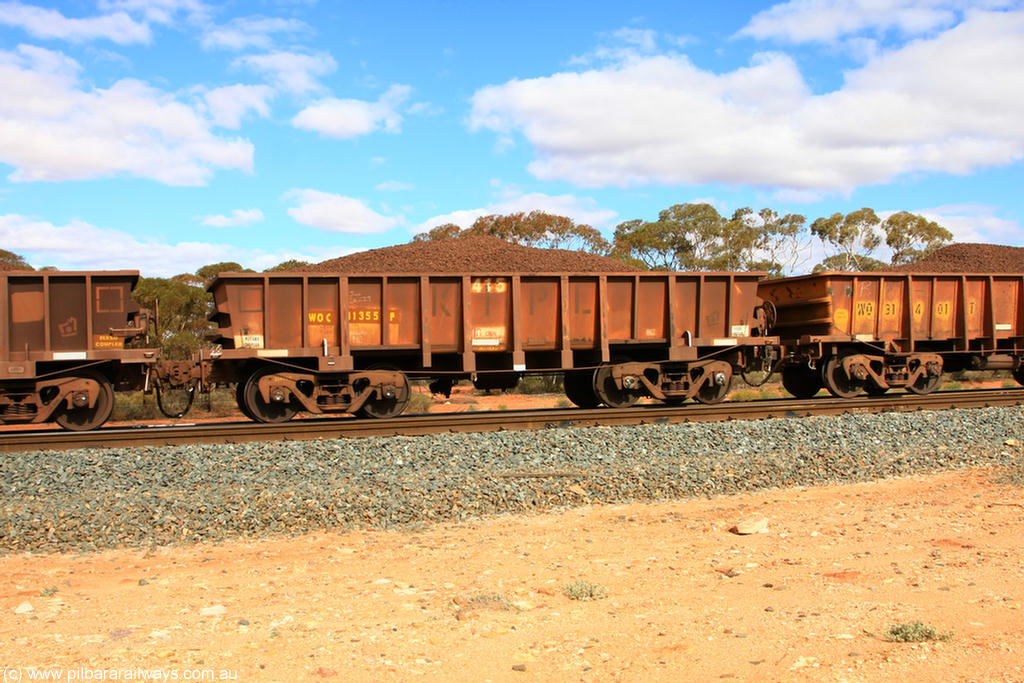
(338, 428)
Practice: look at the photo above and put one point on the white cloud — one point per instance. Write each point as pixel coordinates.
(394, 186)
(627, 42)
(291, 71)
(52, 24)
(583, 210)
(81, 246)
(343, 119)
(828, 20)
(337, 213)
(161, 11)
(976, 223)
(237, 218)
(662, 120)
(644, 40)
(791, 196)
(229, 104)
(52, 129)
(245, 32)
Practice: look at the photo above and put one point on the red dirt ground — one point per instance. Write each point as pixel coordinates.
(810, 599)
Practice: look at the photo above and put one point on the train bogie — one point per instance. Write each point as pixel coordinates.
(875, 331)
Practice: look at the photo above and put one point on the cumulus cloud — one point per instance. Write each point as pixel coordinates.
(394, 186)
(343, 119)
(52, 128)
(583, 210)
(336, 213)
(662, 120)
(161, 11)
(827, 20)
(246, 32)
(237, 218)
(976, 223)
(291, 71)
(52, 24)
(81, 246)
(229, 104)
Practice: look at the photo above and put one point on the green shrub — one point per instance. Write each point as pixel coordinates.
(584, 590)
(419, 403)
(914, 632)
(540, 384)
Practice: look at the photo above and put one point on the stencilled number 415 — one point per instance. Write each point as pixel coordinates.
(489, 286)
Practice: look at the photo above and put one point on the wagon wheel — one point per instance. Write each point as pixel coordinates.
(712, 392)
(83, 418)
(925, 384)
(240, 400)
(836, 380)
(801, 381)
(258, 409)
(611, 395)
(579, 388)
(388, 406)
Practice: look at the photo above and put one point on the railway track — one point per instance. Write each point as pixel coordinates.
(335, 428)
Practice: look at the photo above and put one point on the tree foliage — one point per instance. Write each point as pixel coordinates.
(291, 264)
(695, 237)
(683, 238)
(11, 261)
(533, 229)
(912, 237)
(207, 273)
(849, 240)
(441, 232)
(181, 310)
(781, 244)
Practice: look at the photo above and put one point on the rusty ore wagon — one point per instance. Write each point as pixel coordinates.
(333, 343)
(62, 345)
(853, 332)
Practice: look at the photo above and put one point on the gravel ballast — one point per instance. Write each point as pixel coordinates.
(94, 499)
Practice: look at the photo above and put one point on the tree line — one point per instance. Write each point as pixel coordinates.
(685, 237)
(695, 237)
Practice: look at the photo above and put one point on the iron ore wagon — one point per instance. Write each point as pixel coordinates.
(62, 345)
(853, 332)
(329, 343)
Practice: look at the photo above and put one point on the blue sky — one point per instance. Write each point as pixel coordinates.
(164, 135)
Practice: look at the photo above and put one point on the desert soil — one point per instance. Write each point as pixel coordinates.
(808, 598)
